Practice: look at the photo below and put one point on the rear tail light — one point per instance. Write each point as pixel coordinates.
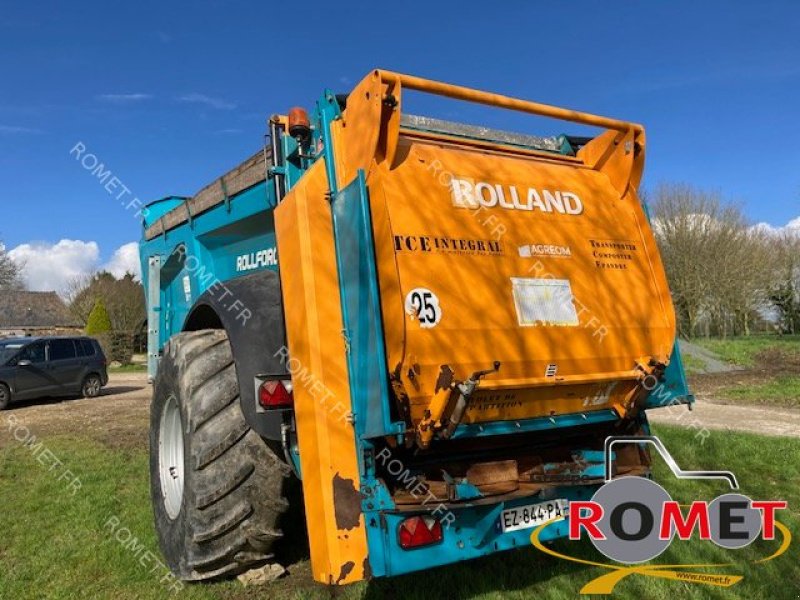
(417, 532)
(275, 394)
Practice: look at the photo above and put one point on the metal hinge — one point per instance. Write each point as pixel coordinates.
(346, 338)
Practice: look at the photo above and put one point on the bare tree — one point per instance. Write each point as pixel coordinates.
(10, 272)
(79, 303)
(784, 293)
(742, 277)
(716, 263)
(681, 218)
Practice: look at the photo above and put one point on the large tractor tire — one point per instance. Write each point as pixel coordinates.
(217, 488)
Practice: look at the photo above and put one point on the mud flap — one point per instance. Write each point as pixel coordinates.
(318, 364)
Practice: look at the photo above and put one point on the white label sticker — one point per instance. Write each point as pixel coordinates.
(423, 305)
(187, 288)
(544, 302)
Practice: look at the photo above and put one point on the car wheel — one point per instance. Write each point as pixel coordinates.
(5, 396)
(91, 386)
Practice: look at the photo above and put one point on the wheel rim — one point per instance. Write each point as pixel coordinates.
(170, 457)
(3, 395)
(92, 387)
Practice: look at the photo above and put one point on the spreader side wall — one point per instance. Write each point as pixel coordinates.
(329, 455)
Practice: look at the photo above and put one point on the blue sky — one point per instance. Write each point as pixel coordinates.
(169, 95)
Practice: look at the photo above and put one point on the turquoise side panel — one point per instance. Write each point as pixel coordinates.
(358, 281)
(223, 243)
(158, 208)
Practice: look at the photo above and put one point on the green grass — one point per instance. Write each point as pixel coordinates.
(692, 364)
(743, 350)
(782, 390)
(54, 545)
(131, 368)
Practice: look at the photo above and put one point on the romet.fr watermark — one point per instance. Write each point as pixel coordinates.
(325, 397)
(212, 284)
(416, 486)
(43, 455)
(72, 483)
(666, 399)
(110, 182)
(583, 312)
(147, 559)
(303, 376)
(480, 213)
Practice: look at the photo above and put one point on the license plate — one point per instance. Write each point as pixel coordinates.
(531, 515)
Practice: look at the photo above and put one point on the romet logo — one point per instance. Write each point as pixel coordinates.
(467, 193)
(633, 520)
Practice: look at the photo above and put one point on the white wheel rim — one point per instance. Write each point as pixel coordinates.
(92, 387)
(170, 457)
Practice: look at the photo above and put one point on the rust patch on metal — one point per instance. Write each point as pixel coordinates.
(345, 571)
(445, 379)
(346, 503)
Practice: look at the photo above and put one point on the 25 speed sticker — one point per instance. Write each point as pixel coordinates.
(423, 305)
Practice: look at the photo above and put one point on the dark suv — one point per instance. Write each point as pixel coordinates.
(50, 366)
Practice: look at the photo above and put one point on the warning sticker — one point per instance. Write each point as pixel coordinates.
(544, 302)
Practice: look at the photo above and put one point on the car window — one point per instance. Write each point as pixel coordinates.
(61, 349)
(8, 351)
(87, 346)
(33, 352)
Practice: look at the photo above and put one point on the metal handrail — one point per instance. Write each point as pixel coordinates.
(458, 92)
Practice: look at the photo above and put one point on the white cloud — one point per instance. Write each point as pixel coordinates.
(52, 266)
(47, 266)
(792, 227)
(705, 222)
(696, 222)
(218, 103)
(123, 98)
(124, 260)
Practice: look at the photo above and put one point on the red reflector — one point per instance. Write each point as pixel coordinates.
(419, 531)
(273, 394)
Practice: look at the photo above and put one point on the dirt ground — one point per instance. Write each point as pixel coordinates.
(712, 413)
(120, 417)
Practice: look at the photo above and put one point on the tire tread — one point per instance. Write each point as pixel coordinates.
(234, 494)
